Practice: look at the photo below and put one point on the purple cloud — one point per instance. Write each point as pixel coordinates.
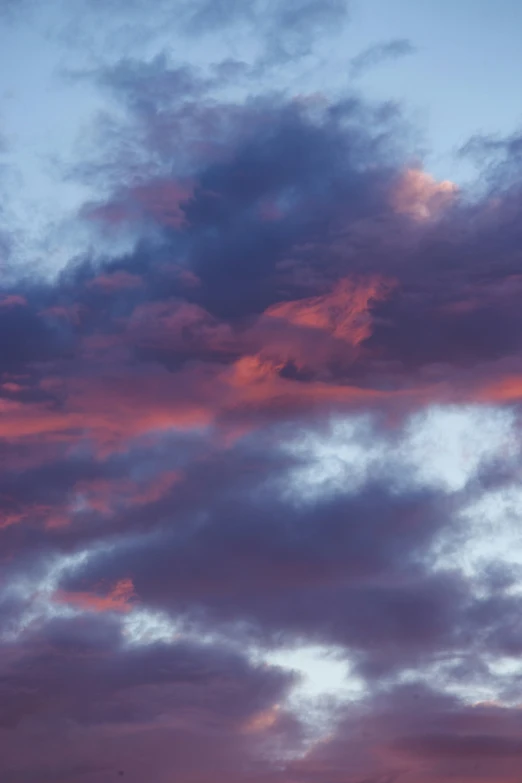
(249, 432)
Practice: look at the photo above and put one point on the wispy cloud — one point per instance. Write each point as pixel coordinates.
(380, 53)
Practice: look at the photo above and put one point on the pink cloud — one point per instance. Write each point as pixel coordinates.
(159, 200)
(420, 196)
(117, 281)
(120, 599)
(13, 300)
(344, 312)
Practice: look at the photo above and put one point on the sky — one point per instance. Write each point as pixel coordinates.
(260, 391)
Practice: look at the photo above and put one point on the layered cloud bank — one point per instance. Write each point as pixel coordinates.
(285, 417)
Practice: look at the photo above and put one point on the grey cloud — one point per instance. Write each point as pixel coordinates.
(379, 53)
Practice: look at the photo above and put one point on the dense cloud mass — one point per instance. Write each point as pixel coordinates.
(279, 410)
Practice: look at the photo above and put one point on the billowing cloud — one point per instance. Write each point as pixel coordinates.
(279, 411)
(145, 710)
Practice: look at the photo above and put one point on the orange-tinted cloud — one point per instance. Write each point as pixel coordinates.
(111, 409)
(120, 599)
(503, 389)
(420, 196)
(262, 721)
(344, 312)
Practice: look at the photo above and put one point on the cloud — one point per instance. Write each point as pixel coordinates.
(419, 733)
(285, 415)
(194, 698)
(287, 32)
(498, 158)
(380, 53)
(419, 195)
(323, 561)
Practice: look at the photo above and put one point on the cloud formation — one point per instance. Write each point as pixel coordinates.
(285, 414)
(380, 53)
